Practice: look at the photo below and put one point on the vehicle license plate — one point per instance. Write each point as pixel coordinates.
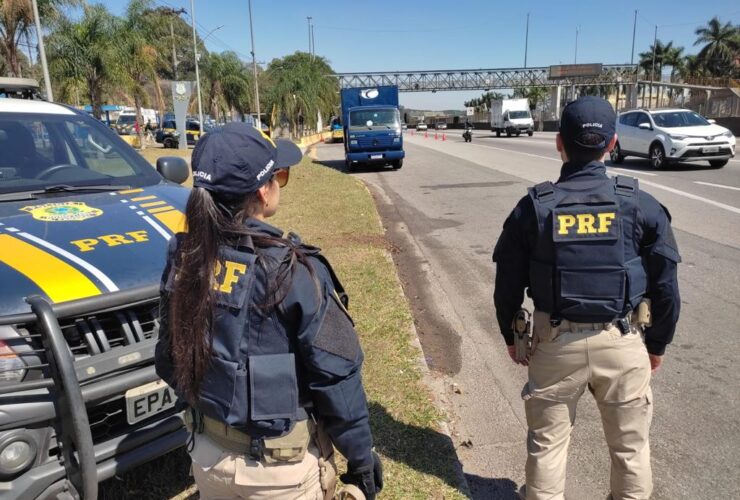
(376, 157)
(711, 149)
(147, 400)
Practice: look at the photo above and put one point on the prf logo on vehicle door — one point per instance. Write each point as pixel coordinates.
(67, 211)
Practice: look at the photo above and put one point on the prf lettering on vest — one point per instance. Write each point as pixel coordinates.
(233, 271)
(585, 223)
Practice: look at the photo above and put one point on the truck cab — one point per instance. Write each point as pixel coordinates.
(372, 127)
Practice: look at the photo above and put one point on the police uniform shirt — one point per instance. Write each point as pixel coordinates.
(657, 245)
(328, 353)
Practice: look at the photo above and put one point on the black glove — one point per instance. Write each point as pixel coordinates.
(369, 478)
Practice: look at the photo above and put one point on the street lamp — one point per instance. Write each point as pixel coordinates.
(254, 70)
(42, 52)
(197, 71)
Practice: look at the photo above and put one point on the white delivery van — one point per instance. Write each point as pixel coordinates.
(511, 116)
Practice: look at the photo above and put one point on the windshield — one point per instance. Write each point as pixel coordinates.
(375, 118)
(519, 114)
(126, 119)
(679, 119)
(38, 151)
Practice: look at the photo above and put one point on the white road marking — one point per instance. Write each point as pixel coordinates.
(717, 185)
(631, 172)
(105, 280)
(159, 228)
(729, 208)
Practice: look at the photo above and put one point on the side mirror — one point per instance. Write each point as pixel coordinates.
(645, 126)
(173, 168)
(710, 120)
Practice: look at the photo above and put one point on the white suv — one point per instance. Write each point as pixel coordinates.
(671, 135)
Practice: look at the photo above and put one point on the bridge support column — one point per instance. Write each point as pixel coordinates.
(555, 98)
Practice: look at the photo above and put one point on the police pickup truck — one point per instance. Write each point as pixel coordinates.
(84, 225)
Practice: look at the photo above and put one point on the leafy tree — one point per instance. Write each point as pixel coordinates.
(226, 85)
(82, 55)
(484, 101)
(536, 95)
(17, 24)
(300, 86)
(721, 47)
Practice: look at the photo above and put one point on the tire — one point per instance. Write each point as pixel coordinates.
(397, 164)
(530, 133)
(718, 163)
(508, 133)
(616, 154)
(349, 166)
(657, 156)
(170, 143)
(498, 133)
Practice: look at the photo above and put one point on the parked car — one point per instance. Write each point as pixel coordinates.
(666, 136)
(169, 137)
(421, 126)
(441, 125)
(84, 226)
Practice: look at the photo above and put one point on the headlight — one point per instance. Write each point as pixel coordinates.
(12, 368)
(16, 455)
(728, 134)
(677, 137)
(396, 140)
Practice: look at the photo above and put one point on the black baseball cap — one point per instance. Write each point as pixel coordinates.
(588, 114)
(237, 159)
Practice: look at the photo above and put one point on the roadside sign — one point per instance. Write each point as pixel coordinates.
(560, 71)
(471, 111)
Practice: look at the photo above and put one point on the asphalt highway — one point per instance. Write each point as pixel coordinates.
(444, 211)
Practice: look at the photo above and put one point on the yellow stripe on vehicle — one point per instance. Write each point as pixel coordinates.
(153, 204)
(174, 220)
(144, 198)
(131, 191)
(57, 279)
(160, 209)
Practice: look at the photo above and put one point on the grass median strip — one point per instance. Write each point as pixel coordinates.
(336, 212)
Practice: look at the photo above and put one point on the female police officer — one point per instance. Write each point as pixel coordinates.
(255, 336)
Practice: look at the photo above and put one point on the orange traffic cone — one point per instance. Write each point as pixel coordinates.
(435, 136)
(426, 134)
(444, 137)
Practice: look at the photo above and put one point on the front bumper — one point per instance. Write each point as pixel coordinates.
(76, 415)
(695, 151)
(375, 156)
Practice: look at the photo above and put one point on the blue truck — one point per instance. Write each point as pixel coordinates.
(372, 127)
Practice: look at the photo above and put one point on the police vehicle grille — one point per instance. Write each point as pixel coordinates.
(108, 420)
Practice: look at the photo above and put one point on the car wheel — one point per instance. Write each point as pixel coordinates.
(657, 156)
(349, 166)
(718, 163)
(397, 164)
(616, 154)
(169, 142)
(530, 133)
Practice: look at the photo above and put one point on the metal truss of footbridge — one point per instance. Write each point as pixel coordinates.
(485, 79)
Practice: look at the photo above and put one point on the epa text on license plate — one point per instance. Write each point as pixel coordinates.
(712, 149)
(376, 157)
(147, 400)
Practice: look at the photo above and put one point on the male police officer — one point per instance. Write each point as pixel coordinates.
(593, 252)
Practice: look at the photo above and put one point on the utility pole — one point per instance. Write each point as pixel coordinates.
(313, 42)
(310, 49)
(254, 70)
(172, 13)
(526, 42)
(634, 31)
(575, 58)
(652, 71)
(197, 71)
(42, 52)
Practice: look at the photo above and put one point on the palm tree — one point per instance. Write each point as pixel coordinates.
(227, 84)
(16, 23)
(722, 46)
(81, 54)
(300, 88)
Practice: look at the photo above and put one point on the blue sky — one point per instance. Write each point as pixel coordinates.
(390, 35)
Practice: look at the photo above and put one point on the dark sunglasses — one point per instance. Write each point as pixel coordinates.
(282, 176)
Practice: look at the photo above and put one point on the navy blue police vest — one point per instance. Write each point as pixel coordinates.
(585, 266)
(251, 382)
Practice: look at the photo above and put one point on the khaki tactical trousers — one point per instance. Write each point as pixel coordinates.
(616, 369)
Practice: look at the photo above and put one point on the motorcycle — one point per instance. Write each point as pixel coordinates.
(468, 134)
